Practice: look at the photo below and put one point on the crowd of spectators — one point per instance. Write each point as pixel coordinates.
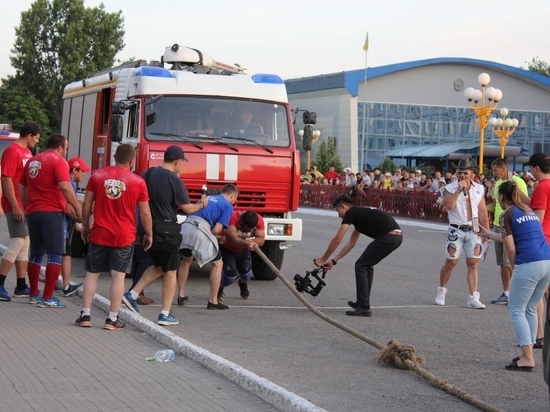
(402, 179)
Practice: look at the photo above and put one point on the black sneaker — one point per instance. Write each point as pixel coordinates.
(245, 293)
(218, 305)
(114, 324)
(182, 300)
(72, 289)
(84, 321)
(220, 293)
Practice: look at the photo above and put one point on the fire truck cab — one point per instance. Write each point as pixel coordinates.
(234, 128)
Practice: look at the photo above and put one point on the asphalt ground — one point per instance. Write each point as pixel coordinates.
(273, 337)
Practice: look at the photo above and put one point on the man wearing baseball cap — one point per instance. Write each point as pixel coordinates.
(77, 168)
(79, 164)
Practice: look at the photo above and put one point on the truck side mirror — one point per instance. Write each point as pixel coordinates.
(116, 128)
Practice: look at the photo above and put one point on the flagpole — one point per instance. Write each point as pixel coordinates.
(365, 48)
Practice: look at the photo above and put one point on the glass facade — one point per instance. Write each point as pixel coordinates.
(386, 126)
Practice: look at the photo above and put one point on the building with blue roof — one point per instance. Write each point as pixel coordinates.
(416, 112)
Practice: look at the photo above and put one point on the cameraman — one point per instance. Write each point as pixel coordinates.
(370, 222)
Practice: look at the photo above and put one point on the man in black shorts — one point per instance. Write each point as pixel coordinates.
(370, 222)
(166, 192)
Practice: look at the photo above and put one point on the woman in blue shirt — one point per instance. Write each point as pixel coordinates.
(529, 255)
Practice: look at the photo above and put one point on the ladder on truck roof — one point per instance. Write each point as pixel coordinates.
(186, 58)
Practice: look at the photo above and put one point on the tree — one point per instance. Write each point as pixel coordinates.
(387, 165)
(61, 41)
(17, 106)
(327, 156)
(538, 66)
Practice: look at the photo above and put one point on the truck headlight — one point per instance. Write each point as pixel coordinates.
(279, 229)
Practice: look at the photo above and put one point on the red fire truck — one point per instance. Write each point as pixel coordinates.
(197, 103)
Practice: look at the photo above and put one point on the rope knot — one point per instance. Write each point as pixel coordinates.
(398, 354)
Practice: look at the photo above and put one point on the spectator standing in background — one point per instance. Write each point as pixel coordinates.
(501, 175)
(464, 201)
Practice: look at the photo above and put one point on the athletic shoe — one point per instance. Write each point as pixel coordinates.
(218, 305)
(130, 302)
(4, 295)
(501, 300)
(84, 321)
(72, 289)
(114, 324)
(440, 297)
(245, 293)
(220, 293)
(52, 302)
(474, 303)
(167, 320)
(25, 293)
(182, 300)
(33, 300)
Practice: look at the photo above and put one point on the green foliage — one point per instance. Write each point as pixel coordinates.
(17, 106)
(388, 165)
(538, 66)
(61, 41)
(327, 156)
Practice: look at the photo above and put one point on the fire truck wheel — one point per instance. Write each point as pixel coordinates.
(260, 270)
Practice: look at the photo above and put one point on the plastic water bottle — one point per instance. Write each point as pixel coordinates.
(165, 355)
(204, 190)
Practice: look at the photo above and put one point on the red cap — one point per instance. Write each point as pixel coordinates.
(78, 163)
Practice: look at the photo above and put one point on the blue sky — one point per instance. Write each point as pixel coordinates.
(308, 37)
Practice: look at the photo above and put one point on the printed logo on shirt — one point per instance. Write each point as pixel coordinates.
(34, 168)
(114, 188)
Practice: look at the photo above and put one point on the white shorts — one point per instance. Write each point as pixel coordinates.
(462, 241)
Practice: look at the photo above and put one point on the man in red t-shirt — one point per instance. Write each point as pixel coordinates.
(539, 166)
(14, 159)
(331, 174)
(245, 230)
(114, 192)
(46, 189)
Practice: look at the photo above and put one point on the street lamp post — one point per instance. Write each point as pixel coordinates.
(315, 134)
(476, 100)
(503, 127)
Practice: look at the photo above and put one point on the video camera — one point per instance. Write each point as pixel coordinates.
(304, 284)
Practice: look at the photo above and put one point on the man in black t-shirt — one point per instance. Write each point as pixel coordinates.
(372, 223)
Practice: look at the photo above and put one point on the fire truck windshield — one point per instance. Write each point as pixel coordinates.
(205, 118)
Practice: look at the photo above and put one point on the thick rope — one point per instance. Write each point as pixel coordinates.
(395, 353)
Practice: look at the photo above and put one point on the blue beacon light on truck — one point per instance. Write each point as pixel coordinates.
(152, 72)
(267, 78)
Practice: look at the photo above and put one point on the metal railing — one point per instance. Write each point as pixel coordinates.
(404, 203)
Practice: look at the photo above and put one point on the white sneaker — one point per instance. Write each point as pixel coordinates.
(440, 297)
(474, 303)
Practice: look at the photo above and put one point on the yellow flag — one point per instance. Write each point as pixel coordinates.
(366, 45)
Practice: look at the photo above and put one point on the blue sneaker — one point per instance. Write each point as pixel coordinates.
(25, 293)
(501, 300)
(33, 300)
(130, 302)
(167, 320)
(52, 302)
(4, 295)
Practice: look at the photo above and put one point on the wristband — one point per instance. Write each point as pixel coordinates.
(334, 262)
